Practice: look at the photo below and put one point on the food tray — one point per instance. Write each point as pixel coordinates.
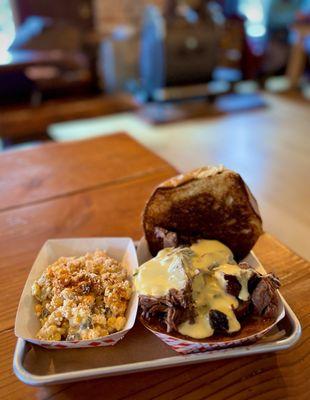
(140, 350)
(27, 323)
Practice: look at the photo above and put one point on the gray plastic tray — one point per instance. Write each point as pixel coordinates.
(140, 350)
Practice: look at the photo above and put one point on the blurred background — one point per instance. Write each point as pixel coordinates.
(198, 82)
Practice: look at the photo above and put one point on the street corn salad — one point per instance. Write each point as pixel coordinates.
(82, 298)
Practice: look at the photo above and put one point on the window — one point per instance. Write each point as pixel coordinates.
(255, 15)
(7, 26)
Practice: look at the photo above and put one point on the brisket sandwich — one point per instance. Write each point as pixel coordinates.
(198, 227)
(199, 291)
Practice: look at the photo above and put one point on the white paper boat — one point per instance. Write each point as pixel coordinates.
(27, 324)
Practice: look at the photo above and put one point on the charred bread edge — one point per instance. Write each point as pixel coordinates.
(183, 179)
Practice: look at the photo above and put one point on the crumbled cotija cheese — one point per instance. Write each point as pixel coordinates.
(82, 297)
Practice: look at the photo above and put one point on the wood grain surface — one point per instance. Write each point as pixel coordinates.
(112, 207)
(60, 169)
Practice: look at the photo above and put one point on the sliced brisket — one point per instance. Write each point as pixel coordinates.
(243, 309)
(172, 309)
(264, 297)
(233, 286)
(218, 321)
(167, 238)
(177, 306)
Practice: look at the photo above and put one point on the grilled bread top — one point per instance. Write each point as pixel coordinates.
(207, 203)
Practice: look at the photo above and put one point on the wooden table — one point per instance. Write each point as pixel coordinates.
(98, 188)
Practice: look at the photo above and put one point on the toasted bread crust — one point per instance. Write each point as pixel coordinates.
(207, 203)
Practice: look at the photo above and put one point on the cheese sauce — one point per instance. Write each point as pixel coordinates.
(200, 329)
(208, 294)
(210, 252)
(243, 275)
(158, 275)
(172, 268)
(205, 264)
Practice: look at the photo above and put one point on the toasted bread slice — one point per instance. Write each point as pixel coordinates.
(207, 203)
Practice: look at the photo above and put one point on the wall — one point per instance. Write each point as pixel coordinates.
(110, 13)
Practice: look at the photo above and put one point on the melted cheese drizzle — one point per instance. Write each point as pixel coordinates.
(157, 276)
(206, 263)
(200, 329)
(163, 272)
(208, 294)
(210, 252)
(243, 275)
